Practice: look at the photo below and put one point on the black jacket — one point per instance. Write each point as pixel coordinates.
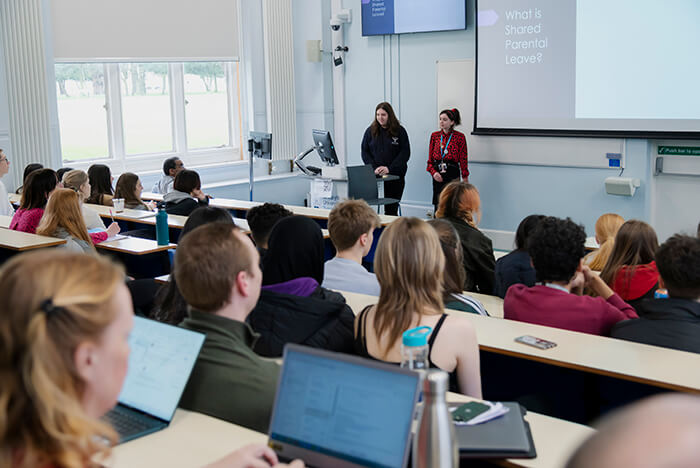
(512, 269)
(386, 150)
(479, 261)
(179, 203)
(671, 323)
(322, 320)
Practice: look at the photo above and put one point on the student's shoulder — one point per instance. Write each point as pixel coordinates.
(458, 325)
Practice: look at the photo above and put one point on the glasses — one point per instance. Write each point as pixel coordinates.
(5, 159)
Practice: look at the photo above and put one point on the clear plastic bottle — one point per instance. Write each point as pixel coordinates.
(414, 348)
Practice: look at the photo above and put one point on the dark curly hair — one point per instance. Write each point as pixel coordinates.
(678, 261)
(262, 218)
(556, 247)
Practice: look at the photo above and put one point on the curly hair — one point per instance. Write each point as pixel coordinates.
(262, 218)
(678, 261)
(556, 247)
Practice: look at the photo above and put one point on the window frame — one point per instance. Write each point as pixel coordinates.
(119, 161)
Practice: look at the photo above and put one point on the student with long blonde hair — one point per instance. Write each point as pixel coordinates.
(63, 219)
(63, 358)
(77, 181)
(606, 228)
(460, 205)
(409, 264)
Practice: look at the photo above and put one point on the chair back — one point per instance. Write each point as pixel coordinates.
(362, 183)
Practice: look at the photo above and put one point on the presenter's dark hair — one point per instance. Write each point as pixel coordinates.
(453, 115)
(392, 125)
(556, 247)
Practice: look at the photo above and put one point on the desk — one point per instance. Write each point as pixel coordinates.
(134, 246)
(137, 216)
(5, 221)
(193, 440)
(625, 360)
(22, 241)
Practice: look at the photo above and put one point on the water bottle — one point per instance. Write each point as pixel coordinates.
(414, 348)
(162, 233)
(434, 444)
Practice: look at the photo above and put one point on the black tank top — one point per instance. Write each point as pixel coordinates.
(361, 346)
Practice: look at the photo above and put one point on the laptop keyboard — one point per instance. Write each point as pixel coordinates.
(128, 423)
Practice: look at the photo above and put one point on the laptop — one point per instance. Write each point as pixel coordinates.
(338, 410)
(161, 361)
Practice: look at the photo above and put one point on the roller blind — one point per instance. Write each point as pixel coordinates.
(144, 30)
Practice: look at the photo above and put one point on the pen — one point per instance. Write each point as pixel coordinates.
(111, 215)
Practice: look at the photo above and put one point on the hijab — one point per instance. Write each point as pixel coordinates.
(295, 250)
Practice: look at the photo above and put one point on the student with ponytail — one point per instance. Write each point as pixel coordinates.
(447, 153)
(605, 231)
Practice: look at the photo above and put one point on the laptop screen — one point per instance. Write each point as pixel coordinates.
(160, 363)
(338, 406)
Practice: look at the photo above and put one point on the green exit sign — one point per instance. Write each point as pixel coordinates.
(680, 150)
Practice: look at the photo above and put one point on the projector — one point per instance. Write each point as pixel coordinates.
(625, 186)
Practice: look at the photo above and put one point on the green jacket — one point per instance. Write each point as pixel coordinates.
(229, 381)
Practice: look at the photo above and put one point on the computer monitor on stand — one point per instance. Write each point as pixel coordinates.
(323, 144)
(259, 146)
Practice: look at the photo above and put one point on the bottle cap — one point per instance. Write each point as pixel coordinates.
(416, 336)
(436, 382)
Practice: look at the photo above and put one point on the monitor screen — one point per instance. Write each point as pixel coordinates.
(324, 147)
(161, 360)
(410, 16)
(347, 410)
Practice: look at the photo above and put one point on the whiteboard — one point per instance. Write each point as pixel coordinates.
(455, 88)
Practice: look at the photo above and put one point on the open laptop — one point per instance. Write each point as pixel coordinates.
(337, 410)
(161, 360)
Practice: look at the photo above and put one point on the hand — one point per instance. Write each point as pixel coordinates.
(381, 170)
(151, 205)
(437, 177)
(577, 283)
(113, 230)
(595, 283)
(588, 274)
(253, 456)
(198, 194)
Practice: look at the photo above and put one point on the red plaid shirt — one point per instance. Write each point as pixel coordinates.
(456, 151)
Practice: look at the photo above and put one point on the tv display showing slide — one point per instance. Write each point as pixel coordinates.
(588, 67)
(410, 16)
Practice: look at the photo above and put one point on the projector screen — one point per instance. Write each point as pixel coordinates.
(588, 67)
(410, 16)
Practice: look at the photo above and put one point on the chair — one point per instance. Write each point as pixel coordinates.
(362, 184)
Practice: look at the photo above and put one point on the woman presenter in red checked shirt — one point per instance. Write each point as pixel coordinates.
(447, 153)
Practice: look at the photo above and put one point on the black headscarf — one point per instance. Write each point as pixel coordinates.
(295, 250)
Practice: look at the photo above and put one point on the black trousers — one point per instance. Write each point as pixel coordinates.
(393, 189)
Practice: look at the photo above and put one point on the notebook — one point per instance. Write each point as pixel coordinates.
(338, 410)
(161, 360)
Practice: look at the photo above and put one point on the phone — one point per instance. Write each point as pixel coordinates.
(536, 342)
(469, 411)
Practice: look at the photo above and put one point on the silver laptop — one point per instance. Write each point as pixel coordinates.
(161, 361)
(337, 410)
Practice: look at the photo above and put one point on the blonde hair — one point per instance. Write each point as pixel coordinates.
(409, 264)
(74, 180)
(605, 230)
(460, 200)
(63, 210)
(42, 420)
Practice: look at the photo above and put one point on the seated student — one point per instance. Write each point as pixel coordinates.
(261, 219)
(631, 270)
(606, 228)
(77, 181)
(516, 267)
(101, 192)
(293, 307)
(410, 266)
(170, 305)
(63, 219)
(28, 169)
(186, 195)
(129, 188)
(351, 225)
(63, 359)
(459, 205)
(37, 189)
(454, 277)
(6, 208)
(171, 167)
(557, 249)
(218, 273)
(673, 322)
(62, 171)
(659, 432)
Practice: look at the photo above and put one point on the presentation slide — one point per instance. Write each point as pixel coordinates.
(409, 16)
(588, 65)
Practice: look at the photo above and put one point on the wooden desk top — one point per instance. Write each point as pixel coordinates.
(21, 241)
(194, 439)
(626, 360)
(134, 246)
(137, 216)
(5, 221)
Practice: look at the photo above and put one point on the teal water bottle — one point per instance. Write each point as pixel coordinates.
(162, 233)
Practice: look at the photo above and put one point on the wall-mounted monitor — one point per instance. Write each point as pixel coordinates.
(262, 144)
(411, 16)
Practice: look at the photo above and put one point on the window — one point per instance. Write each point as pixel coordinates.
(133, 115)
